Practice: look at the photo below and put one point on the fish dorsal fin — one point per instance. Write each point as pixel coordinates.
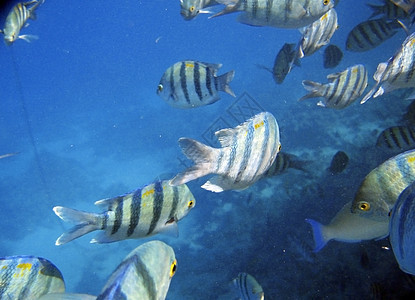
(334, 76)
(212, 66)
(379, 71)
(225, 136)
(108, 202)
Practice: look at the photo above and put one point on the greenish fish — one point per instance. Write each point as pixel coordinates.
(156, 208)
(28, 277)
(247, 287)
(381, 187)
(397, 138)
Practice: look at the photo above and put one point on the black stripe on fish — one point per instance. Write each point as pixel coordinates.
(268, 9)
(288, 9)
(172, 84)
(244, 286)
(216, 82)
(344, 88)
(331, 92)
(394, 138)
(4, 279)
(175, 202)
(209, 81)
(247, 151)
(254, 8)
(183, 81)
(378, 32)
(245, 5)
(219, 161)
(157, 205)
(135, 211)
(196, 79)
(118, 215)
(232, 154)
(404, 134)
(26, 290)
(357, 41)
(264, 144)
(365, 35)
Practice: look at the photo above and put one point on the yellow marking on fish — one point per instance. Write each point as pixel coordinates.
(324, 16)
(354, 70)
(148, 193)
(23, 267)
(410, 159)
(4, 267)
(258, 125)
(189, 65)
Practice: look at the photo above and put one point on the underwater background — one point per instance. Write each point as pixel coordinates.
(80, 106)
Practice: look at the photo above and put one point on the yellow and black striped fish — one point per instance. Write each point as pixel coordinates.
(341, 91)
(28, 277)
(370, 34)
(189, 84)
(283, 162)
(16, 19)
(389, 10)
(397, 138)
(153, 209)
(332, 56)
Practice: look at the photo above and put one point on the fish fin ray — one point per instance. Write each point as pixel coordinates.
(224, 81)
(313, 87)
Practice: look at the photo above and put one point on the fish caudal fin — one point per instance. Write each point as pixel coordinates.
(203, 157)
(319, 239)
(224, 81)
(85, 223)
(315, 89)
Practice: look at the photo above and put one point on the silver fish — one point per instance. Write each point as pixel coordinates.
(189, 84)
(189, 9)
(398, 72)
(247, 152)
(277, 13)
(28, 277)
(17, 18)
(153, 209)
(342, 90)
(247, 287)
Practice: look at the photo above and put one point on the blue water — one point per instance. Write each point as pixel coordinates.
(80, 106)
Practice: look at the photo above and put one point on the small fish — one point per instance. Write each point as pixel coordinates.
(409, 116)
(398, 72)
(370, 34)
(347, 227)
(283, 162)
(341, 91)
(397, 138)
(389, 10)
(153, 209)
(338, 163)
(8, 155)
(28, 277)
(402, 230)
(381, 187)
(247, 152)
(277, 13)
(17, 18)
(283, 63)
(191, 8)
(247, 287)
(189, 84)
(332, 56)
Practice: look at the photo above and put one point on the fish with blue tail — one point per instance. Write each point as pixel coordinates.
(155, 208)
(332, 56)
(341, 91)
(28, 277)
(398, 72)
(277, 13)
(397, 138)
(247, 288)
(388, 10)
(247, 152)
(189, 9)
(17, 18)
(380, 189)
(190, 84)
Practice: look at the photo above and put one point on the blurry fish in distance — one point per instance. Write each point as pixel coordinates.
(17, 18)
(332, 56)
(283, 162)
(338, 163)
(406, 5)
(189, 9)
(347, 227)
(277, 13)
(28, 277)
(247, 287)
(398, 138)
(341, 91)
(156, 208)
(409, 116)
(388, 10)
(247, 152)
(189, 84)
(8, 155)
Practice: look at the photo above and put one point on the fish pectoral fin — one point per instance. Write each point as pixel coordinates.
(28, 37)
(170, 228)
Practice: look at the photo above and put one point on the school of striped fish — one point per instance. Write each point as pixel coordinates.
(384, 202)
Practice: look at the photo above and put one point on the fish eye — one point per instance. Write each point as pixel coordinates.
(190, 204)
(365, 206)
(192, 9)
(326, 2)
(173, 268)
(160, 88)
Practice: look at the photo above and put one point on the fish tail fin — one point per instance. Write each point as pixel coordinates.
(230, 7)
(371, 93)
(201, 154)
(315, 89)
(224, 81)
(319, 239)
(85, 223)
(376, 10)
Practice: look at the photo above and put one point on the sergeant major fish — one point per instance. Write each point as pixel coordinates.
(247, 152)
(398, 72)
(397, 138)
(341, 91)
(332, 56)
(381, 187)
(28, 277)
(189, 84)
(153, 209)
(277, 13)
(247, 287)
(283, 162)
(191, 8)
(17, 18)
(389, 10)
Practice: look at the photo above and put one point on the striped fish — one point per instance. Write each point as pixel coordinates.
(189, 9)
(332, 56)
(388, 10)
(277, 13)
(247, 152)
(397, 138)
(283, 162)
(398, 72)
(381, 187)
(189, 84)
(153, 209)
(28, 277)
(342, 90)
(247, 287)
(17, 18)
(318, 34)
(370, 34)
(406, 5)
